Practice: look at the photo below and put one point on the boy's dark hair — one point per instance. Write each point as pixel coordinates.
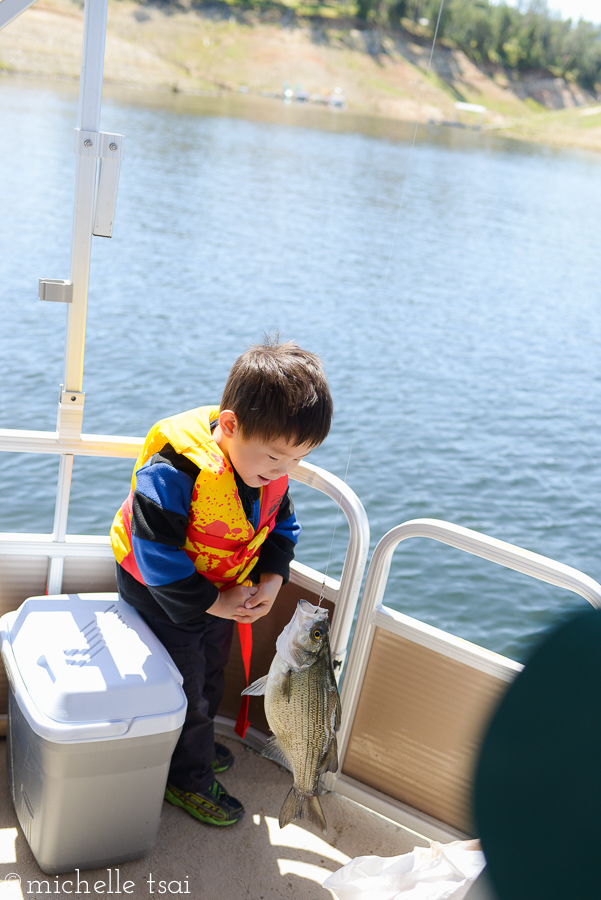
(278, 390)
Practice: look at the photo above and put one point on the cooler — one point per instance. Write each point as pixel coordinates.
(95, 709)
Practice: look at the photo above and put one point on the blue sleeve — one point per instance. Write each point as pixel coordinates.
(290, 528)
(160, 517)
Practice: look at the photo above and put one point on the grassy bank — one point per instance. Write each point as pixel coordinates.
(578, 128)
(227, 48)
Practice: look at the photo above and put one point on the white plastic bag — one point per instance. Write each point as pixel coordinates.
(438, 872)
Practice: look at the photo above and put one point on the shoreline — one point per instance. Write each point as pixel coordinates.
(211, 53)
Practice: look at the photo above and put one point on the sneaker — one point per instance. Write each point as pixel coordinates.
(224, 759)
(214, 806)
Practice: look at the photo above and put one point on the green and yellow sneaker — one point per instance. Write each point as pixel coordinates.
(224, 759)
(214, 807)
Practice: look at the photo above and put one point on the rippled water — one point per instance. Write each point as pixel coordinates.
(452, 291)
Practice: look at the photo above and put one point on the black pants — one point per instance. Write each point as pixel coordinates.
(200, 650)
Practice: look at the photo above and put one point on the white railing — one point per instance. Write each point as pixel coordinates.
(373, 614)
(16, 441)
(347, 594)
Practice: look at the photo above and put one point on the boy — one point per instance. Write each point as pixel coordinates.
(207, 534)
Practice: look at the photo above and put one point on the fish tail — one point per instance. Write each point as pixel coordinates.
(298, 805)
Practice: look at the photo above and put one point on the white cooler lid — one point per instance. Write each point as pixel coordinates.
(89, 660)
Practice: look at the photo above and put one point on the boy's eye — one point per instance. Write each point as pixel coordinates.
(274, 458)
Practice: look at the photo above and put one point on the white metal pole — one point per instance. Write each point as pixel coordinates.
(70, 409)
(54, 580)
(90, 96)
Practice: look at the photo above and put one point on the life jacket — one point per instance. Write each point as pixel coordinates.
(220, 540)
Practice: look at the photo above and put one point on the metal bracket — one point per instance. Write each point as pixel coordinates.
(106, 197)
(57, 290)
(108, 148)
(100, 144)
(70, 413)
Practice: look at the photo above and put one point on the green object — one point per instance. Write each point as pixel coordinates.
(224, 759)
(214, 807)
(538, 780)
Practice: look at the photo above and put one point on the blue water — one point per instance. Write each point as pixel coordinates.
(452, 291)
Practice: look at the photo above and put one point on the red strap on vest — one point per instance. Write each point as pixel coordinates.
(246, 644)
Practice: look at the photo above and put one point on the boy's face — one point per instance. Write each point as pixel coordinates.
(256, 461)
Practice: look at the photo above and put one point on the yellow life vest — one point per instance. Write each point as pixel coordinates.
(220, 540)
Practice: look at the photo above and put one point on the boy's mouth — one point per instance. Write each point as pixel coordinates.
(263, 481)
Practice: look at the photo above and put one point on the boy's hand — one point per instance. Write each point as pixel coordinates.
(244, 603)
(229, 603)
(261, 601)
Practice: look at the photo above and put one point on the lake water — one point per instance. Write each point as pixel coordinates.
(451, 289)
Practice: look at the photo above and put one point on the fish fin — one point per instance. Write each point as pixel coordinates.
(273, 751)
(330, 761)
(301, 806)
(338, 714)
(256, 688)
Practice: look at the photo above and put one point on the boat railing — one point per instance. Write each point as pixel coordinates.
(345, 593)
(416, 700)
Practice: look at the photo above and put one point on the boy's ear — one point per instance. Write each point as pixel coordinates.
(228, 422)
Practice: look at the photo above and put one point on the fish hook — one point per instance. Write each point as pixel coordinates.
(322, 592)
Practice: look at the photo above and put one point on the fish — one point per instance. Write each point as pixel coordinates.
(302, 707)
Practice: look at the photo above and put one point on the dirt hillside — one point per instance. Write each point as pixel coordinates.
(221, 49)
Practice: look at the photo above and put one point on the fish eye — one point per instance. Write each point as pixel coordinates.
(317, 632)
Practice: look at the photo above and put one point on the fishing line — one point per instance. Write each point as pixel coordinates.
(408, 173)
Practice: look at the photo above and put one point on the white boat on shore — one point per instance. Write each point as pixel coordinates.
(416, 701)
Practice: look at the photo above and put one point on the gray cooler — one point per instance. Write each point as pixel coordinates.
(95, 709)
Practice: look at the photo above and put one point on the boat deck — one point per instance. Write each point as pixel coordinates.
(252, 859)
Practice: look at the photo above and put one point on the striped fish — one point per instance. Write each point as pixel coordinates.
(302, 707)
